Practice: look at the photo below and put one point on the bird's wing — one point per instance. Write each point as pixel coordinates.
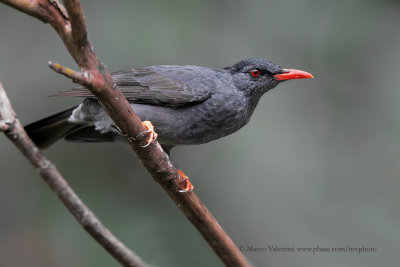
(162, 85)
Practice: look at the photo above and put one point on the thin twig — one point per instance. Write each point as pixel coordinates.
(75, 76)
(13, 129)
(117, 107)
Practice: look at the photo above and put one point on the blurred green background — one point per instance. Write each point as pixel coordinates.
(318, 165)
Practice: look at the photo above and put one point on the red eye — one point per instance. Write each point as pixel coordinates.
(255, 73)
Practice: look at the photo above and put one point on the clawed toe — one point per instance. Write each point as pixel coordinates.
(152, 134)
(188, 185)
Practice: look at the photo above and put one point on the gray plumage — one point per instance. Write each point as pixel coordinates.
(186, 104)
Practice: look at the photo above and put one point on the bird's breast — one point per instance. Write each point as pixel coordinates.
(214, 118)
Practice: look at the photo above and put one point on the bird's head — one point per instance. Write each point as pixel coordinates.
(255, 76)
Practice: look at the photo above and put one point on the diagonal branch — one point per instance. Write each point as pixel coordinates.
(12, 128)
(72, 30)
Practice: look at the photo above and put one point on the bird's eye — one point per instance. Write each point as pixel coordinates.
(255, 73)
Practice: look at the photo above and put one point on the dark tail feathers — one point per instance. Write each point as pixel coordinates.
(47, 131)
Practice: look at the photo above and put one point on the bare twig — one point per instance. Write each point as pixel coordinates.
(75, 76)
(96, 77)
(13, 129)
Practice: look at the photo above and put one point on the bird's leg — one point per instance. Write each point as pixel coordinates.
(188, 185)
(116, 128)
(152, 134)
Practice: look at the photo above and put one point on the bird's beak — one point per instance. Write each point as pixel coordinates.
(290, 74)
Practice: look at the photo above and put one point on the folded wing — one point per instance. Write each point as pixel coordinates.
(162, 85)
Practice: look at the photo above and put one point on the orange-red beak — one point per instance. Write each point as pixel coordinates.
(290, 74)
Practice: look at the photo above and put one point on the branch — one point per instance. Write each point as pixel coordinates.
(96, 77)
(13, 129)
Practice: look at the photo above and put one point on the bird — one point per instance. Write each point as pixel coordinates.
(186, 104)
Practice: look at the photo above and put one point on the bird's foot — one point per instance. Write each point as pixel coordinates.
(150, 130)
(188, 185)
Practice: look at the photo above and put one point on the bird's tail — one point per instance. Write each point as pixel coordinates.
(47, 131)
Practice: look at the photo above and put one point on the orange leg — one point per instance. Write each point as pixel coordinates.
(188, 186)
(152, 134)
